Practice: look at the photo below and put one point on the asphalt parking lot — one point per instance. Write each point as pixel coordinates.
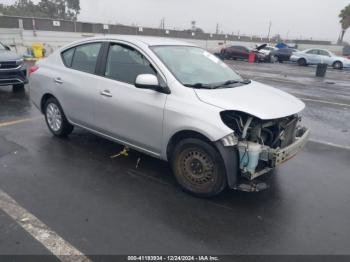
(108, 206)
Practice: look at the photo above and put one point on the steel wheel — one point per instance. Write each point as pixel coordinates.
(54, 117)
(338, 65)
(302, 62)
(198, 167)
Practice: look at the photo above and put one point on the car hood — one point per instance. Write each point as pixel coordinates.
(6, 55)
(255, 99)
(261, 47)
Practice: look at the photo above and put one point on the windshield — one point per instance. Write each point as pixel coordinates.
(194, 66)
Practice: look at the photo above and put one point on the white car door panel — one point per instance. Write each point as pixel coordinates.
(325, 57)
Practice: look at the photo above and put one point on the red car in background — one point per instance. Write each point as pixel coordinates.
(241, 52)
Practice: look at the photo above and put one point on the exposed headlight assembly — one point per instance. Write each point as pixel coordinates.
(229, 140)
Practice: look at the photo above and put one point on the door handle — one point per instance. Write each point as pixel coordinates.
(106, 93)
(58, 80)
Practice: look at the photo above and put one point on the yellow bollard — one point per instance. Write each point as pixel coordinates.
(38, 50)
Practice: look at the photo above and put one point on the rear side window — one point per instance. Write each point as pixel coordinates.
(85, 57)
(312, 52)
(124, 64)
(67, 57)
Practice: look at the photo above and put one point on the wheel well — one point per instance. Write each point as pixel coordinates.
(183, 135)
(43, 101)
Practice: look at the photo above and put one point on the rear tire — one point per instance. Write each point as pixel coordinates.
(338, 65)
(199, 168)
(302, 62)
(18, 88)
(55, 119)
(224, 56)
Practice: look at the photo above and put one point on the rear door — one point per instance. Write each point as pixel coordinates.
(312, 56)
(77, 82)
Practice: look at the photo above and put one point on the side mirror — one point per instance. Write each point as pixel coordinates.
(149, 81)
(7, 48)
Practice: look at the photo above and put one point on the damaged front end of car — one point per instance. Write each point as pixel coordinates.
(262, 145)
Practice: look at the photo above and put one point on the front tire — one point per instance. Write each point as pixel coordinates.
(199, 168)
(55, 119)
(338, 65)
(302, 62)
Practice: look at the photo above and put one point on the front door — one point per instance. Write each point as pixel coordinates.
(123, 111)
(325, 57)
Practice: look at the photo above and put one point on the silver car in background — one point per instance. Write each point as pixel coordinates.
(320, 56)
(174, 101)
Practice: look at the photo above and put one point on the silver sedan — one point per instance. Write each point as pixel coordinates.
(320, 56)
(174, 101)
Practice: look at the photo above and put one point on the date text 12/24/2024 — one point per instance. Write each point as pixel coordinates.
(173, 258)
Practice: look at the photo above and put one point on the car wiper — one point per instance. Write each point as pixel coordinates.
(199, 86)
(246, 82)
(232, 82)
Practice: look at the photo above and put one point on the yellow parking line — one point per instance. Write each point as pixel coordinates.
(15, 122)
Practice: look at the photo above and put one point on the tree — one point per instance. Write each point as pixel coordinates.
(56, 9)
(344, 21)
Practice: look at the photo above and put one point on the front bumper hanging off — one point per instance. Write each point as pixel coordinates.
(283, 155)
(273, 158)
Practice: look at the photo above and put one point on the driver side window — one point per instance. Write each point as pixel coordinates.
(124, 64)
(324, 53)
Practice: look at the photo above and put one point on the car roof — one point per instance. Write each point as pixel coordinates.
(144, 40)
(317, 49)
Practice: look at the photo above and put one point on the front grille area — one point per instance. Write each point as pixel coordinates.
(13, 77)
(10, 81)
(289, 132)
(8, 65)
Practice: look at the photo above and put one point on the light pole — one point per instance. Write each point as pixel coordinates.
(268, 34)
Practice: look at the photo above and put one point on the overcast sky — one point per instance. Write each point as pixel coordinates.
(317, 19)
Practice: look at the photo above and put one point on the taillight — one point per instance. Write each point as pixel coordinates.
(33, 69)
